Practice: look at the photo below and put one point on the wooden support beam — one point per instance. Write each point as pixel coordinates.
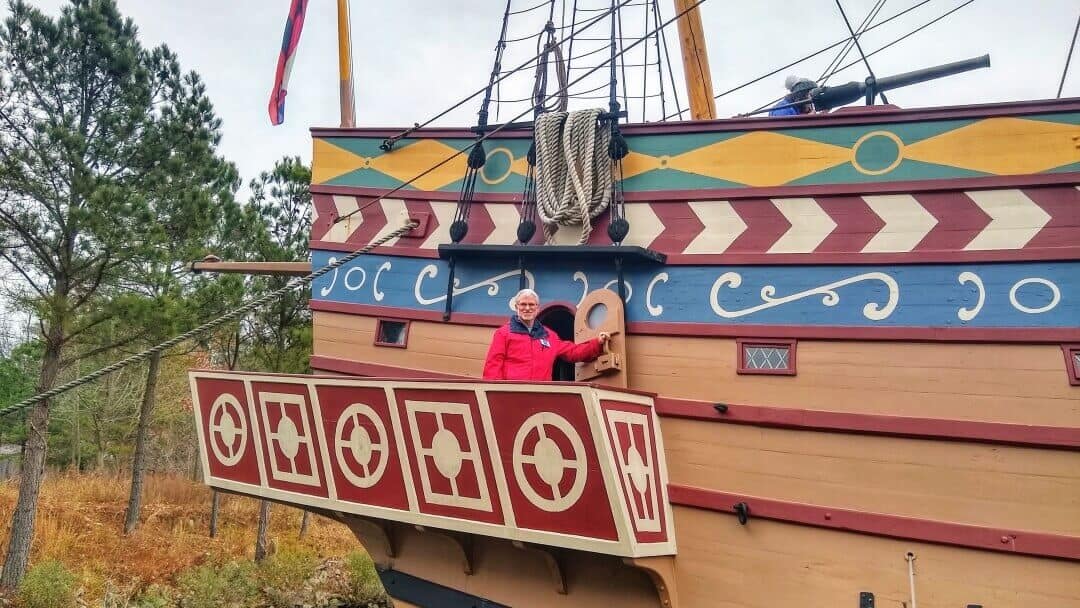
(281, 268)
(695, 62)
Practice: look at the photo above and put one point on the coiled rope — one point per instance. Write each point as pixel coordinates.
(573, 170)
(209, 325)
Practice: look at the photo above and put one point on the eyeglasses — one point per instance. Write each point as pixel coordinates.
(526, 305)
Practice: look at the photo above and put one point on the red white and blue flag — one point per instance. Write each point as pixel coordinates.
(289, 42)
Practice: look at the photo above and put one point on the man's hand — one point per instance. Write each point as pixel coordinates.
(604, 337)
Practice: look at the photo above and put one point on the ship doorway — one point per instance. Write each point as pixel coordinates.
(560, 319)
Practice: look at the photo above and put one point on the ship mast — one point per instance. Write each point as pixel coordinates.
(348, 110)
(695, 61)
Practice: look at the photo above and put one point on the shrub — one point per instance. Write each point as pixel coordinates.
(286, 571)
(212, 586)
(364, 583)
(47, 585)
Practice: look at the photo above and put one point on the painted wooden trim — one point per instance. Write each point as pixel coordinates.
(1035, 436)
(851, 115)
(881, 524)
(1071, 368)
(1020, 335)
(729, 194)
(378, 332)
(1024, 435)
(743, 368)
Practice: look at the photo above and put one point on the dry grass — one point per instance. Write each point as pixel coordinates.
(80, 523)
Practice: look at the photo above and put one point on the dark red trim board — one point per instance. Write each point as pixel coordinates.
(880, 524)
(874, 424)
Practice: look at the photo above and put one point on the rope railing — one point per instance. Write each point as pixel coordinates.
(205, 327)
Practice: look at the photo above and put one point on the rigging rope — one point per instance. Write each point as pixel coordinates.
(573, 170)
(209, 325)
(1068, 58)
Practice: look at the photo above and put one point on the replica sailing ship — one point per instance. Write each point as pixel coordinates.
(845, 368)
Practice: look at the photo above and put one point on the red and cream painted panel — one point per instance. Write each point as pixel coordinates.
(929, 225)
(568, 465)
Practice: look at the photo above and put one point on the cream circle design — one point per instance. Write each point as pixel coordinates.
(635, 467)
(228, 427)
(358, 441)
(550, 462)
(447, 452)
(869, 136)
(491, 181)
(288, 437)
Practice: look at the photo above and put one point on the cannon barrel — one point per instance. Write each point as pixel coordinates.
(826, 98)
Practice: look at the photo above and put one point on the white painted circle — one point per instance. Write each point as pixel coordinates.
(447, 452)
(227, 428)
(288, 438)
(1055, 294)
(550, 462)
(639, 473)
(358, 441)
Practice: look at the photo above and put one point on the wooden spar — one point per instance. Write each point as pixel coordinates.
(281, 268)
(695, 62)
(348, 110)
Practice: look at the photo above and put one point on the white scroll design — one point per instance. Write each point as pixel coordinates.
(613, 285)
(965, 313)
(492, 283)
(657, 310)
(872, 311)
(325, 291)
(354, 286)
(580, 276)
(375, 282)
(1054, 292)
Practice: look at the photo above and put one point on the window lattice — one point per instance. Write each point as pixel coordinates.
(766, 357)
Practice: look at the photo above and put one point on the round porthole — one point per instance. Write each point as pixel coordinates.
(596, 316)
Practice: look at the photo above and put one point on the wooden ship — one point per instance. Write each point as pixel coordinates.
(845, 371)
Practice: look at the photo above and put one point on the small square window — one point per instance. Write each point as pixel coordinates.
(391, 332)
(771, 357)
(1072, 362)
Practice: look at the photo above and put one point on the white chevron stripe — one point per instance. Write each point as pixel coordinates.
(906, 223)
(444, 211)
(809, 225)
(341, 230)
(506, 219)
(645, 226)
(722, 227)
(1015, 219)
(396, 214)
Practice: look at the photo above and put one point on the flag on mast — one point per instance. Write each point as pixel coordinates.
(293, 26)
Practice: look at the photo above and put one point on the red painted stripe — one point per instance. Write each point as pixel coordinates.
(881, 524)
(1063, 206)
(959, 220)
(875, 424)
(732, 194)
(324, 206)
(414, 208)
(764, 226)
(374, 220)
(1023, 335)
(856, 224)
(806, 420)
(412, 250)
(845, 116)
(681, 226)
(480, 225)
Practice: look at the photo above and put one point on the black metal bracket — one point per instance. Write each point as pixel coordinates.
(742, 511)
(866, 599)
(450, 290)
(721, 408)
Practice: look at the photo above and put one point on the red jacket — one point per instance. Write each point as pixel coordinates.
(516, 353)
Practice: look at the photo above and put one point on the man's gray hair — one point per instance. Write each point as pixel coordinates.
(524, 292)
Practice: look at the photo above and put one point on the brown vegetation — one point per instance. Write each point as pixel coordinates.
(81, 518)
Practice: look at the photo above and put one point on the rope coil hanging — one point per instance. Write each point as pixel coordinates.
(574, 178)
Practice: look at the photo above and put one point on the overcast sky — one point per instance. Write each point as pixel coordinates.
(413, 58)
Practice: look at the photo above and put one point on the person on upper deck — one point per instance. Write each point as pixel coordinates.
(524, 349)
(800, 91)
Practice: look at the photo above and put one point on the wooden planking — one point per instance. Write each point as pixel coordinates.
(766, 564)
(509, 575)
(969, 483)
(1017, 383)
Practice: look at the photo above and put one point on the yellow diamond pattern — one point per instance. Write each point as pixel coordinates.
(761, 158)
(403, 164)
(329, 161)
(1002, 146)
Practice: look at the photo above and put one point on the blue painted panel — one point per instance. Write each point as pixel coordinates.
(941, 295)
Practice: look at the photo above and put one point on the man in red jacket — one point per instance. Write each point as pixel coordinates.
(526, 350)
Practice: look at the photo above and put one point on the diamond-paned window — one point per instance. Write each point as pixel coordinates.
(1072, 362)
(766, 357)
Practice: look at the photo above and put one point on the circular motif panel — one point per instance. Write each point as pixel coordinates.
(550, 462)
(877, 152)
(227, 426)
(352, 438)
